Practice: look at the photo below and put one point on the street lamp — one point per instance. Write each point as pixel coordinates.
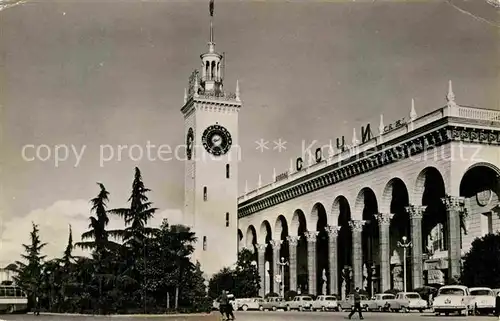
(206, 283)
(282, 278)
(405, 244)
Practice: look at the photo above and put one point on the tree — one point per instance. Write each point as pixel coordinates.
(243, 281)
(29, 275)
(482, 263)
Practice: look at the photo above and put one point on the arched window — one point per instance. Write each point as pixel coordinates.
(227, 219)
(227, 171)
(204, 243)
(204, 193)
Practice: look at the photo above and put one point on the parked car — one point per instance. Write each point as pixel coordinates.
(216, 303)
(325, 303)
(248, 304)
(273, 303)
(300, 302)
(379, 302)
(453, 298)
(406, 301)
(483, 299)
(348, 302)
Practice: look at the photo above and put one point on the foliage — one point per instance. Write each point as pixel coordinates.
(243, 281)
(393, 291)
(271, 295)
(139, 269)
(482, 263)
(426, 291)
(289, 295)
(29, 274)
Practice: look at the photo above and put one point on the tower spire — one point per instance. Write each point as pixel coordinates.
(211, 9)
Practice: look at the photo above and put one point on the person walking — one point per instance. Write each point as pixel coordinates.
(229, 310)
(223, 302)
(357, 305)
(37, 306)
(497, 305)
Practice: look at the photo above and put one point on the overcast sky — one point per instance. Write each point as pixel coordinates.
(93, 73)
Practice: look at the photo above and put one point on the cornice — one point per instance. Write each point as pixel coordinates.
(413, 143)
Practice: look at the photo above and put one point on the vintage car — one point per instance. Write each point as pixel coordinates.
(300, 302)
(483, 299)
(379, 302)
(248, 304)
(406, 301)
(348, 302)
(453, 298)
(273, 303)
(325, 303)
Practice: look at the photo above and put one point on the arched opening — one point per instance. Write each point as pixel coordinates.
(265, 232)
(251, 241)
(281, 232)
(480, 186)
(212, 73)
(370, 236)
(240, 240)
(399, 227)
(344, 261)
(321, 250)
(434, 221)
(299, 222)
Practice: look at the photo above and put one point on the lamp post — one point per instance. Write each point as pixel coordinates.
(282, 279)
(405, 244)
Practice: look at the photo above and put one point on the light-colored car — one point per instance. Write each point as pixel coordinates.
(484, 300)
(348, 303)
(274, 303)
(325, 303)
(379, 302)
(453, 298)
(300, 302)
(245, 304)
(406, 301)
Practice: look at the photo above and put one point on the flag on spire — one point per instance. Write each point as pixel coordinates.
(211, 7)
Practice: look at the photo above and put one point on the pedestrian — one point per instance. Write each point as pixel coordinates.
(229, 310)
(37, 306)
(223, 301)
(497, 305)
(357, 305)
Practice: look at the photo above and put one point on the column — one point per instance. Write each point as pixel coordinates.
(311, 260)
(293, 241)
(357, 252)
(384, 222)
(416, 213)
(261, 250)
(454, 206)
(333, 232)
(276, 245)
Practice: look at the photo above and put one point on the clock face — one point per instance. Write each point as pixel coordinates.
(189, 143)
(216, 140)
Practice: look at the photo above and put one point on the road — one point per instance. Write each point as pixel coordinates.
(262, 316)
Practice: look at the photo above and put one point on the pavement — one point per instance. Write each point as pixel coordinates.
(257, 316)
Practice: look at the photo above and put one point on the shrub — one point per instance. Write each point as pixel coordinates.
(393, 291)
(289, 295)
(426, 291)
(271, 295)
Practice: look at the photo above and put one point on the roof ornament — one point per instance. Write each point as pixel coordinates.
(450, 98)
(413, 113)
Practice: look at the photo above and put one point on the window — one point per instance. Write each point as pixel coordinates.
(204, 193)
(227, 171)
(227, 219)
(204, 243)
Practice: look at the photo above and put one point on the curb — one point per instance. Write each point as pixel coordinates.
(187, 315)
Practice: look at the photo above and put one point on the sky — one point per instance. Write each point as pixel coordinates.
(92, 75)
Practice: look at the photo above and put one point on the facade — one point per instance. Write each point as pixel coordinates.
(211, 165)
(338, 221)
(8, 273)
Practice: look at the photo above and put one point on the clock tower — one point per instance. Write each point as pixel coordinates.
(211, 163)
